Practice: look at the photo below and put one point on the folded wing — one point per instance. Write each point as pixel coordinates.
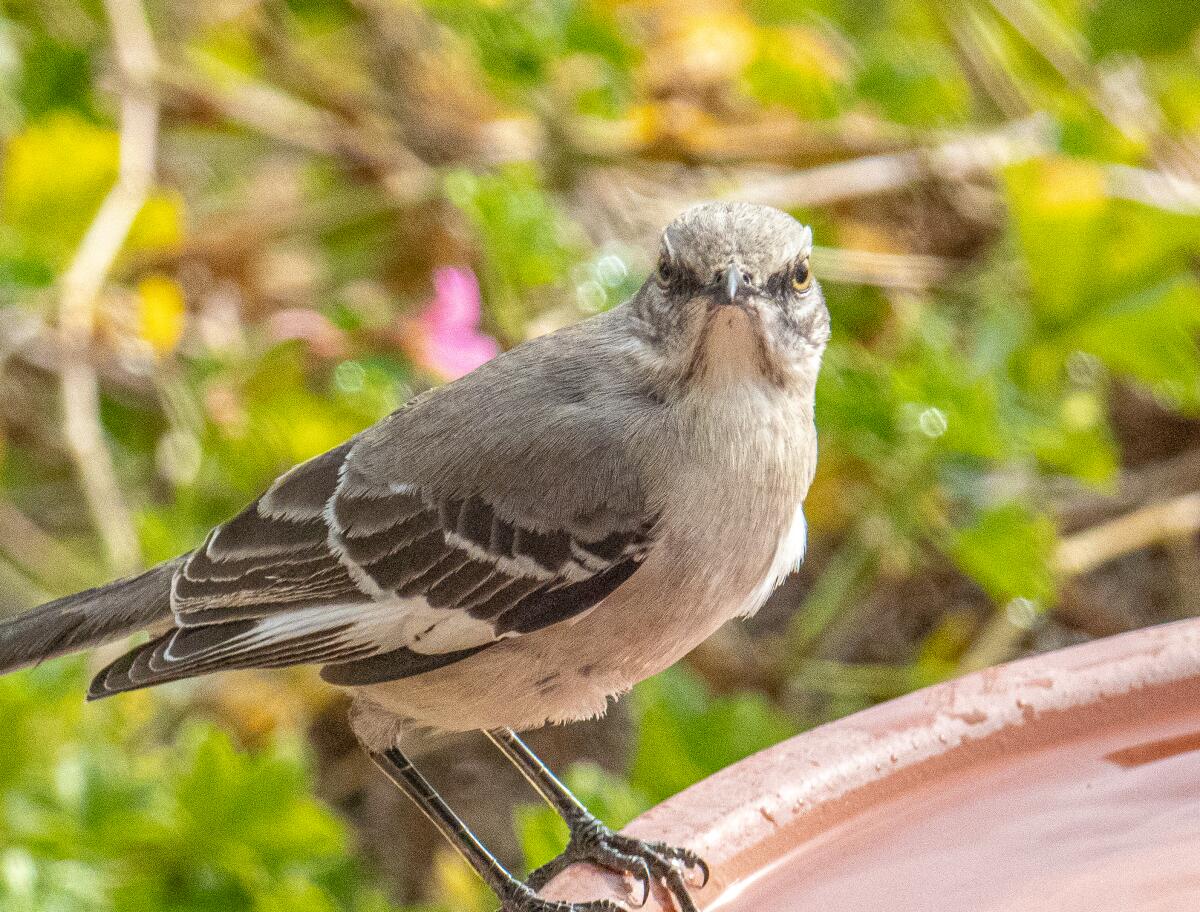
(376, 580)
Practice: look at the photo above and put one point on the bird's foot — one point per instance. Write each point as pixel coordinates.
(522, 898)
(646, 862)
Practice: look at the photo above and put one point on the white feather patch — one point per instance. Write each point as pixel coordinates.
(789, 554)
(520, 565)
(382, 626)
(333, 541)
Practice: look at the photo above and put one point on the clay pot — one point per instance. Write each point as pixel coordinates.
(1068, 781)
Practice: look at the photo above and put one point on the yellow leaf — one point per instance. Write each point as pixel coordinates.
(56, 172)
(460, 886)
(1071, 186)
(159, 226)
(160, 313)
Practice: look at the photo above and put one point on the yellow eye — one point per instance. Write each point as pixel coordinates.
(801, 276)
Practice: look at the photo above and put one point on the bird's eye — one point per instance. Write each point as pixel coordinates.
(665, 271)
(801, 276)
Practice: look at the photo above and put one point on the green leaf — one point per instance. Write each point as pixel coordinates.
(1146, 27)
(686, 734)
(95, 817)
(942, 399)
(1058, 205)
(1085, 451)
(1008, 550)
(913, 82)
(1108, 277)
(524, 237)
(1152, 338)
(799, 70)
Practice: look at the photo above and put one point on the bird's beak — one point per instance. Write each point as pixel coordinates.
(731, 284)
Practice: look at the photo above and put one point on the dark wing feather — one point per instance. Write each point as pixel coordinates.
(392, 666)
(518, 614)
(374, 583)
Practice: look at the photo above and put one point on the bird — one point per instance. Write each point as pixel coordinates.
(521, 546)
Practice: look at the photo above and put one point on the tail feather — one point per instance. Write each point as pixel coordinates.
(87, 618)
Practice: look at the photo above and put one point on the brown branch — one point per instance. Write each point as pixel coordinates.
(871, 175)
(902, 271)
(28, 341)
(272, 112)
(84, 278)
(1167, 478)
(1152, 524)
(1163, 190)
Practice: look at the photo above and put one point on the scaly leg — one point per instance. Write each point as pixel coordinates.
(514, 895)
(592, 841)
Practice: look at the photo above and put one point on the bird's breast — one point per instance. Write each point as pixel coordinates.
(728, 493)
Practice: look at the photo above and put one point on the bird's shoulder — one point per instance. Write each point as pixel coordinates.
(557, 428)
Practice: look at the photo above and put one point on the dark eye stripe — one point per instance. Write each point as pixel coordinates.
(674, 276)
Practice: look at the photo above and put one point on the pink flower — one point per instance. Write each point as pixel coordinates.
(446, 337)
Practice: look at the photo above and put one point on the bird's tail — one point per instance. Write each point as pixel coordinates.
(87, 618)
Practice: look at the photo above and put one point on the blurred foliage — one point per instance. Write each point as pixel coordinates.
(97, 815)
(1006, 199)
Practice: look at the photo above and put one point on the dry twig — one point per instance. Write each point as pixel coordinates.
(272, 112)
(1167, 478)
(84, 279)
(1152, 524)
(902, 271)
(955, 160)
(983, 60)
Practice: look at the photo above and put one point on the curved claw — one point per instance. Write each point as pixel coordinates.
(642, 874)
(675, 883)
(689, 859)
(696, 863)
(643, 861)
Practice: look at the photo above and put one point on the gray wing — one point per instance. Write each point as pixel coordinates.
(380, 576)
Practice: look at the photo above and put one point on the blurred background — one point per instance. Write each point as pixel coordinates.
(235, 232)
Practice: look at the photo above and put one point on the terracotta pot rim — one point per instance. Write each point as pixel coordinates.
(748, 816)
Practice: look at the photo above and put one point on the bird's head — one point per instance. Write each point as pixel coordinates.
(733, 299)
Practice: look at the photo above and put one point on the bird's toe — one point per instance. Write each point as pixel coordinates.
(523, 899)
(646, 862)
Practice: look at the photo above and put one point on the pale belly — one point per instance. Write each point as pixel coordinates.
(572, 670)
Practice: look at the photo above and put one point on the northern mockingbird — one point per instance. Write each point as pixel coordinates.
(522, 545)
